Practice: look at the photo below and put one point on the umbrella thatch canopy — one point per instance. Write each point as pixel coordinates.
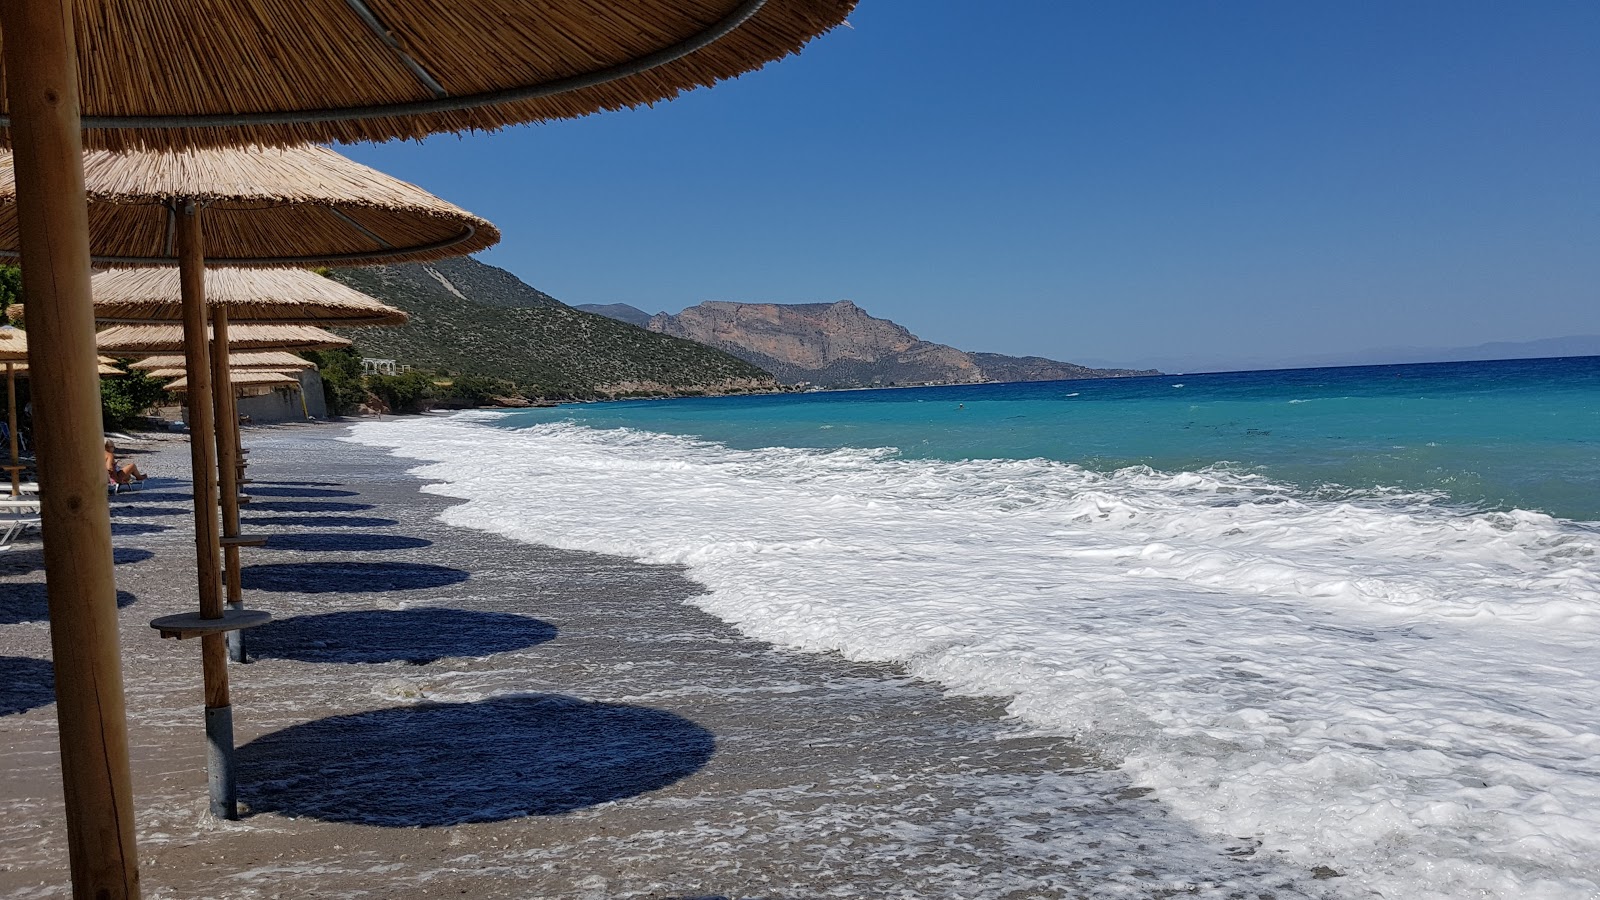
(262, 359)
(13, 344)
(350, 71)
(294, 296)
(107, 368)
(296, 206)
(242, 378)
(139, 339)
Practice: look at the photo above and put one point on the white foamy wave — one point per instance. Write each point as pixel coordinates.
(1389, 687)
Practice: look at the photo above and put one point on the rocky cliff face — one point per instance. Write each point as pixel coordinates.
(824, 343)
(840, 345)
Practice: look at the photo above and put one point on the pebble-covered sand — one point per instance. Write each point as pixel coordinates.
(439, 712)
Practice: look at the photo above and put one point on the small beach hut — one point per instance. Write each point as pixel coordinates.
(208, 73)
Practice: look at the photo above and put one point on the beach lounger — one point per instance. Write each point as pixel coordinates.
(19, 506)
(115, 487)
(12, 527)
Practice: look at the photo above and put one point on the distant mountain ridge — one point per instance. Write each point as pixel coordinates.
(1570, 345)
(474, 319)
(841, 345)
(622, 312)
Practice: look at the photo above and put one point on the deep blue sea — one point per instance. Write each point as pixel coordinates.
(1350, 617)
(1492, 435)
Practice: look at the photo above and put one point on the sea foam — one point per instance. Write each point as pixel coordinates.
(1388, 687)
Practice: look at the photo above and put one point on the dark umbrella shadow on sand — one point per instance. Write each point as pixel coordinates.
(29, 603)
(348, 577)
(308, 506)
(126, 528)
(19, 561)
(346, 542)
(143, 510)
(453, 763)
(260, 491)
(417, 636)
(323, 521)
(133, 498)
(25, 684)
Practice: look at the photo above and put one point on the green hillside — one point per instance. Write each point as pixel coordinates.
(468, 318)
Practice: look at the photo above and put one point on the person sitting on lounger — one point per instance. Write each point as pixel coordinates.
(123, 474)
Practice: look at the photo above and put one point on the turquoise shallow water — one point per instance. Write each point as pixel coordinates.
(1519, 434)
(1334, 642)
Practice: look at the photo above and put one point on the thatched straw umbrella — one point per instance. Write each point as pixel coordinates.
(288, 296)
(215, 73)
(107, 368)
(199, 72)
(261, 296)
(132, 340)
(263, 359)
(293, 206)
(181, 372)
(242, 378)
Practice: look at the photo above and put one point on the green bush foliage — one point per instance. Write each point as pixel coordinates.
(475, 390)
(401, 393)
(10, 287)
(342, 385)
(124, 399)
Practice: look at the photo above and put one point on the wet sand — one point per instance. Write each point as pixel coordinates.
(443, 712)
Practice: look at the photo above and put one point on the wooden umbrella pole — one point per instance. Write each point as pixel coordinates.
(208, 555)
(227, 468)
(41, 69)
(11, 416)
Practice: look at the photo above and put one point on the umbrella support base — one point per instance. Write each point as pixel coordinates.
(219, 762)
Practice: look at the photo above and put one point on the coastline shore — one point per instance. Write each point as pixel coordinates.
(444, 712)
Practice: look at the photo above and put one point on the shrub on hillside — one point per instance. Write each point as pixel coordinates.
(474, 390)
(401, 393)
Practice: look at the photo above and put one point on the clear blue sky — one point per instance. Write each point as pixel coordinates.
(1117, 181)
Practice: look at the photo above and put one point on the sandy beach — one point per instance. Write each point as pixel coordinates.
(444, 712)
